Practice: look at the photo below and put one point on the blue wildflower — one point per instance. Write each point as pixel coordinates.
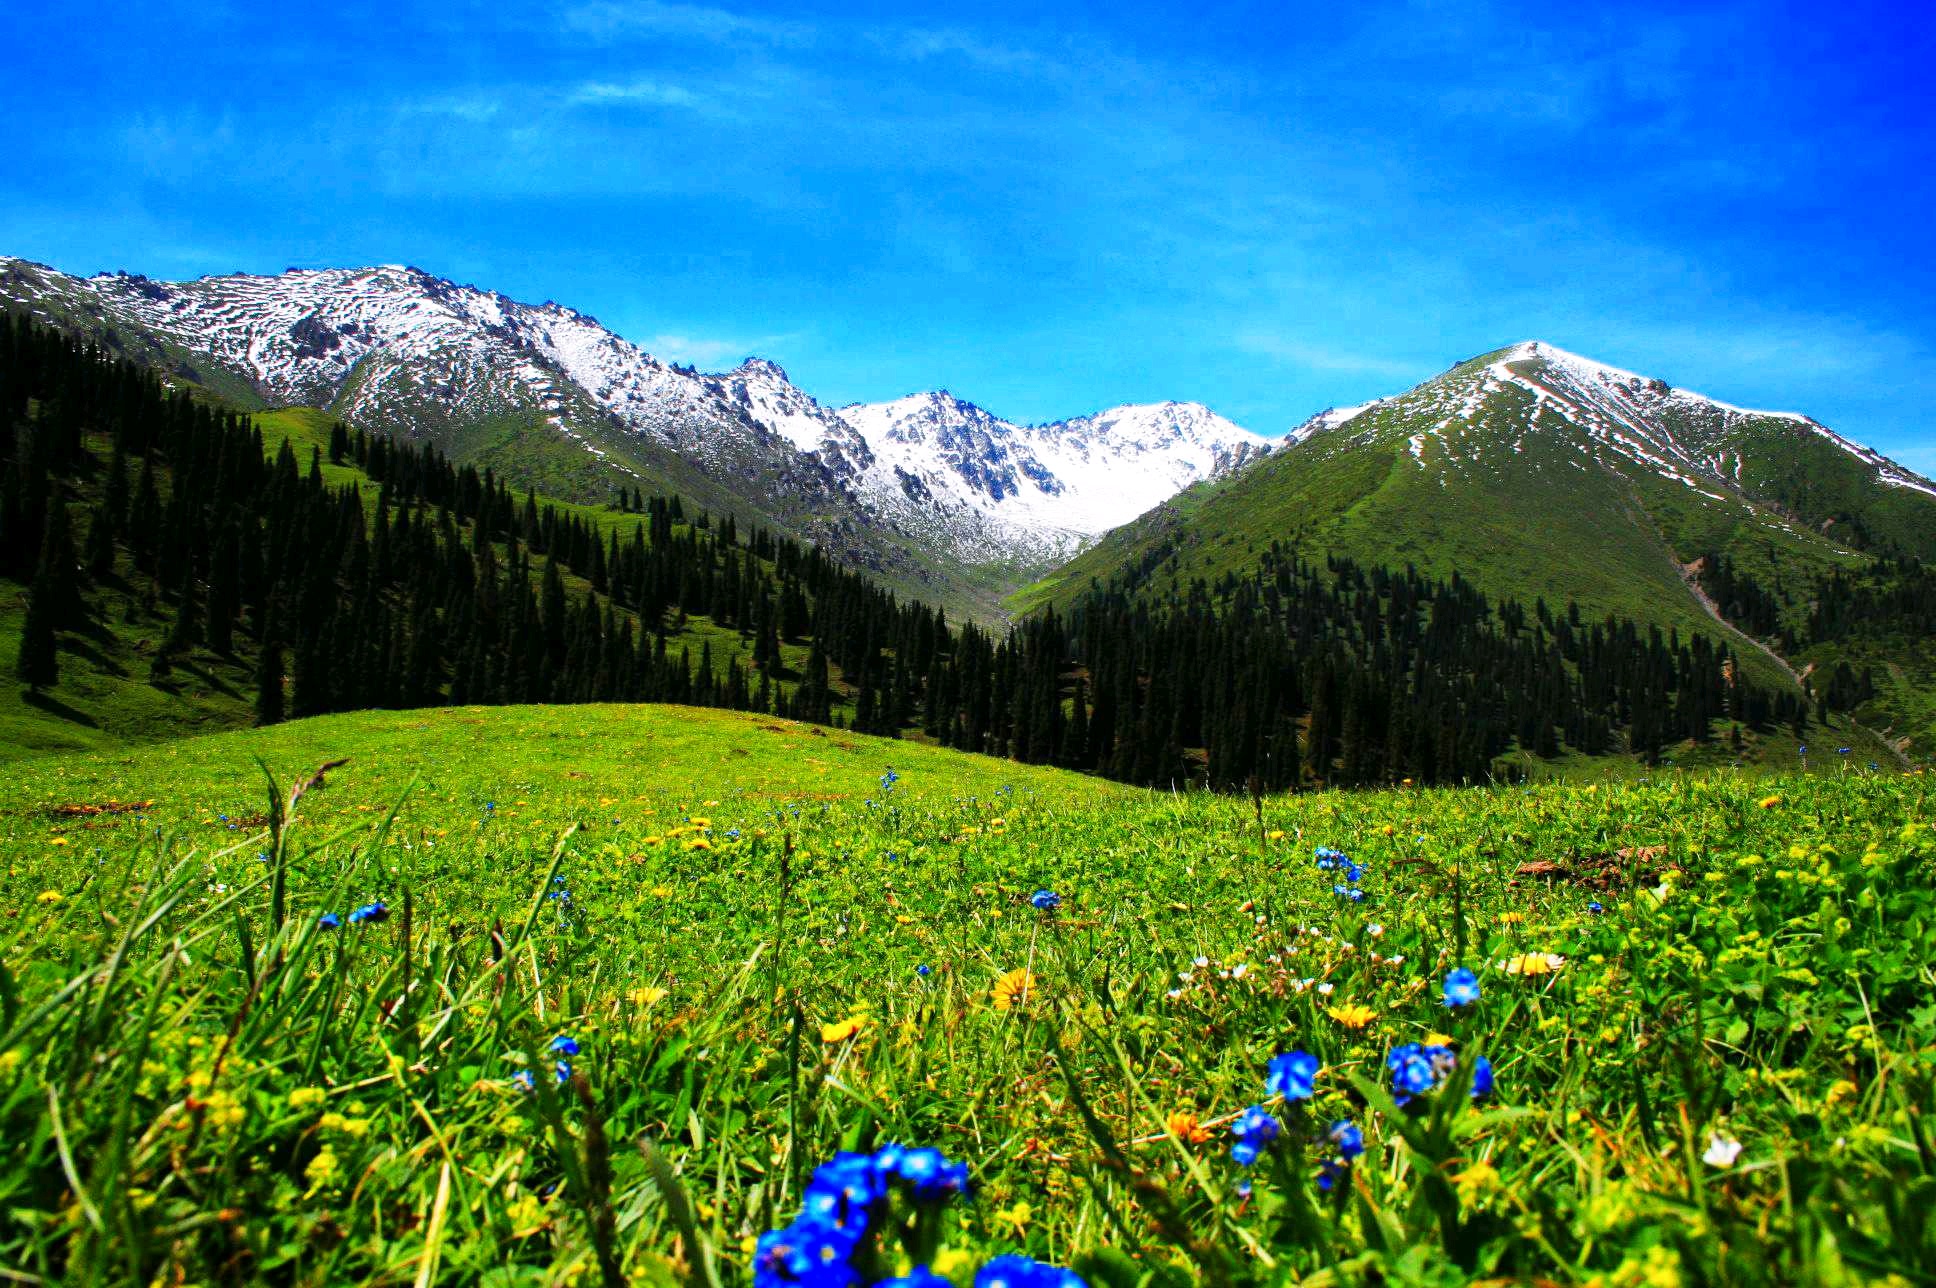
(1417, 1070)
(1348, 1137)
(928, 1173)
(564, 1045)
(329, 921)
(844, 1193)
(1012, 1270)
(1292, 1075)
(923, 970)
(524, 1081)
(1046, 900)
(369, 914)
(1461, 987)
(1353, 872)
(1595, 907)
(1254, 1129)
(805, 1253)
(1333, 1171)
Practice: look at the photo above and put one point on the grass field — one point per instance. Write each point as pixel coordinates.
(1703, 1002)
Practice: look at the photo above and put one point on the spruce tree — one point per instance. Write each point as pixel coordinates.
(268, 682)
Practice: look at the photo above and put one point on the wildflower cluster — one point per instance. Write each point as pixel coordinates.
(563, 1046)
(1418, 1069)
(1331, 860)
(837, 1239)
(366, 915)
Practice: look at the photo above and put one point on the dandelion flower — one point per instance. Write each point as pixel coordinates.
(1186, 1127)
(1352, 1015)
(1013, 989)
(1531, 964)
(841, 1030)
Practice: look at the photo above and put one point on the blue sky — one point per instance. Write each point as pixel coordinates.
(1268, 208)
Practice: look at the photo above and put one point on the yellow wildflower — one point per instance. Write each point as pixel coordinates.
(844, 1029)
(1475, 1180)
(1769, 802)
(1352, 1015)
(1185, 1126)
(1013, 989)
(647, 996)
(1016, 1217)
(51, 896)
(1534, 964)
(322, 1170)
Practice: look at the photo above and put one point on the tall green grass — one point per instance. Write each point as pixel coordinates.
(200, 1083)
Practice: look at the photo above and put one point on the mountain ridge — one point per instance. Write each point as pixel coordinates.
(396, 349)
(1540, 475)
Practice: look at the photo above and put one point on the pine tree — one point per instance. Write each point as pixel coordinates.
(268, 682)
(52, 602)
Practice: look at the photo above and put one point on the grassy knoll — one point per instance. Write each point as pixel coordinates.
(1703, 1002)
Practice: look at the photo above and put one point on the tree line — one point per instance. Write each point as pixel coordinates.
(419, 582)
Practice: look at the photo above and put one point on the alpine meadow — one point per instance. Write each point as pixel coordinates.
(493, 794)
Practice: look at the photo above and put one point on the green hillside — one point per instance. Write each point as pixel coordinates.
(1539, 479)
(109, 692)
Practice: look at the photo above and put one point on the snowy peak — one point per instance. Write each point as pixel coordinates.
(1536, 392)
(1043, 491)
(398, 349)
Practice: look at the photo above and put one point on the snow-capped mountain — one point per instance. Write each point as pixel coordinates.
(991, 490)
(396, 349)
(1535, 388)
(1540, 474)
(1003, 491)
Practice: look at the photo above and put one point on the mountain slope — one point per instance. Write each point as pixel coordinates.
(934, 495)
(1535, 473)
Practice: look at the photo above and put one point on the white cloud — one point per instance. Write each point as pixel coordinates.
(637, 92)
(1317, 357)
(707, 353)
(607, 20)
